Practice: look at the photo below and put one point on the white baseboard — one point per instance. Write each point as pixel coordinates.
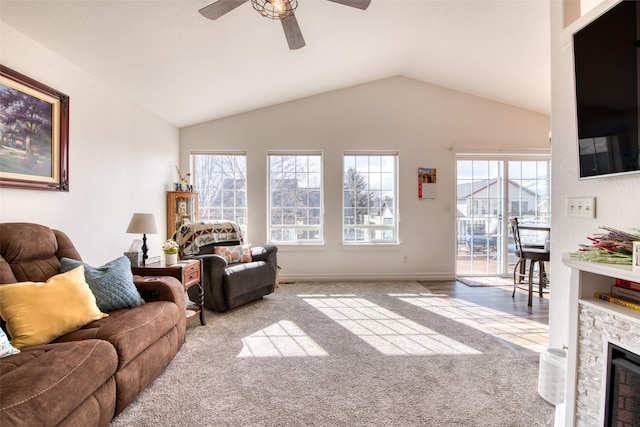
(559, 421)
(284, 278)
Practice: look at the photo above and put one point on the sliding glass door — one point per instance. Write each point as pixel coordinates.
(489, 192)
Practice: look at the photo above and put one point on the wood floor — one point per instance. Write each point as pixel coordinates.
(493, 311)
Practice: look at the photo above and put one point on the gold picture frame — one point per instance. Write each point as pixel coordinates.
(34, 134)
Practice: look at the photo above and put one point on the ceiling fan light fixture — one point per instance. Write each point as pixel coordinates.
(275, 9)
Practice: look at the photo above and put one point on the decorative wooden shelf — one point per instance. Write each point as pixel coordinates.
(182, 206)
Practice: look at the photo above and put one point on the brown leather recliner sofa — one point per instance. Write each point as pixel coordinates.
(88, 376)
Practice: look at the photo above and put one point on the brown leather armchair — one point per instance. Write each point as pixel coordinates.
(229, 285)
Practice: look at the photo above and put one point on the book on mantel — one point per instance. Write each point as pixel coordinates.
(618, 301)
(625, 293)
(622, 283)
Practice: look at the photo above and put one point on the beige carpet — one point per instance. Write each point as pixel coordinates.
(341, 354)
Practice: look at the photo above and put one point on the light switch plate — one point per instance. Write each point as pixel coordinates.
(581, 207)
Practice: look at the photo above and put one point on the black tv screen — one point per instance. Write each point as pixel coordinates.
(606, 65)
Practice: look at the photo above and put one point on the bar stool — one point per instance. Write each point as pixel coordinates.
(533, 254)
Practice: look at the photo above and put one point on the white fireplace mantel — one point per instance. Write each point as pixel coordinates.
(587, 278)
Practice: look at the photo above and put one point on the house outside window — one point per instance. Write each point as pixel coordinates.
(221, 182)
(370, 183)
(295, 198)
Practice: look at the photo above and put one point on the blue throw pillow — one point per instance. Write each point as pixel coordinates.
(112, 284)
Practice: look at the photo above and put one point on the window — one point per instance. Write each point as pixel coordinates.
(519, 208)
(295, 198)
(370, 198)
(221, 183)
(474, 209)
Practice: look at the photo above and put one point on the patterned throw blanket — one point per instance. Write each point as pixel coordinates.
(192, 236)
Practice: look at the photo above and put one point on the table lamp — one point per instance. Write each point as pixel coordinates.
(143, 223)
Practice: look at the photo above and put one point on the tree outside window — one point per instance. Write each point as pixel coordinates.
(369, 197)
(221, 183)
(295, 198)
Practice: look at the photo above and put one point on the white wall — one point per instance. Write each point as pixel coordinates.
(587, 5)
(419, 120)
(618, 198)
(121, 158)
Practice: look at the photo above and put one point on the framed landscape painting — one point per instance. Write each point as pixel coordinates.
(34, 134)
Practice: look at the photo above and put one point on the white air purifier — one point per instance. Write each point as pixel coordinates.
(551, 377)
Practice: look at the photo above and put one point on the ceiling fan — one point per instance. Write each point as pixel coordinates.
(275, 9)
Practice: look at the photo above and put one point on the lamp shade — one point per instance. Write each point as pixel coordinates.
(142, 223)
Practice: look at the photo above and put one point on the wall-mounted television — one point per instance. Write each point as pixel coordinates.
(606, 64)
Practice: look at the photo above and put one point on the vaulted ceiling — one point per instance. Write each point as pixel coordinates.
(187, 69)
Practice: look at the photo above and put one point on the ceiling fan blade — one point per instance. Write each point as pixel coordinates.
(292, 32)
(358, 4)
(219, 8)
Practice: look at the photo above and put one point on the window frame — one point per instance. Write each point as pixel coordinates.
(511, 206)
(202, 205)
(383, 228)
(296, 228)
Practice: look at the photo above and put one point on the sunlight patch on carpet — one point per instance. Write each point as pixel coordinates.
(282, 339)
(514, 329)
(389, 333)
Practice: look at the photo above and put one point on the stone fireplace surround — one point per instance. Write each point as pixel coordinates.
(597, 329)
(593, 325)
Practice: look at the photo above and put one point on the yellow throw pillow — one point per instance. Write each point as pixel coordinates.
(37, 313)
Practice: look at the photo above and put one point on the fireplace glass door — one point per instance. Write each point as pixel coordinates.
(623, 388)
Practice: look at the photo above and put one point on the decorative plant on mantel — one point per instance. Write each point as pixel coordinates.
(612, 247)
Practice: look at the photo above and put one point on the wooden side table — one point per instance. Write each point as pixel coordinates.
(187, 272)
